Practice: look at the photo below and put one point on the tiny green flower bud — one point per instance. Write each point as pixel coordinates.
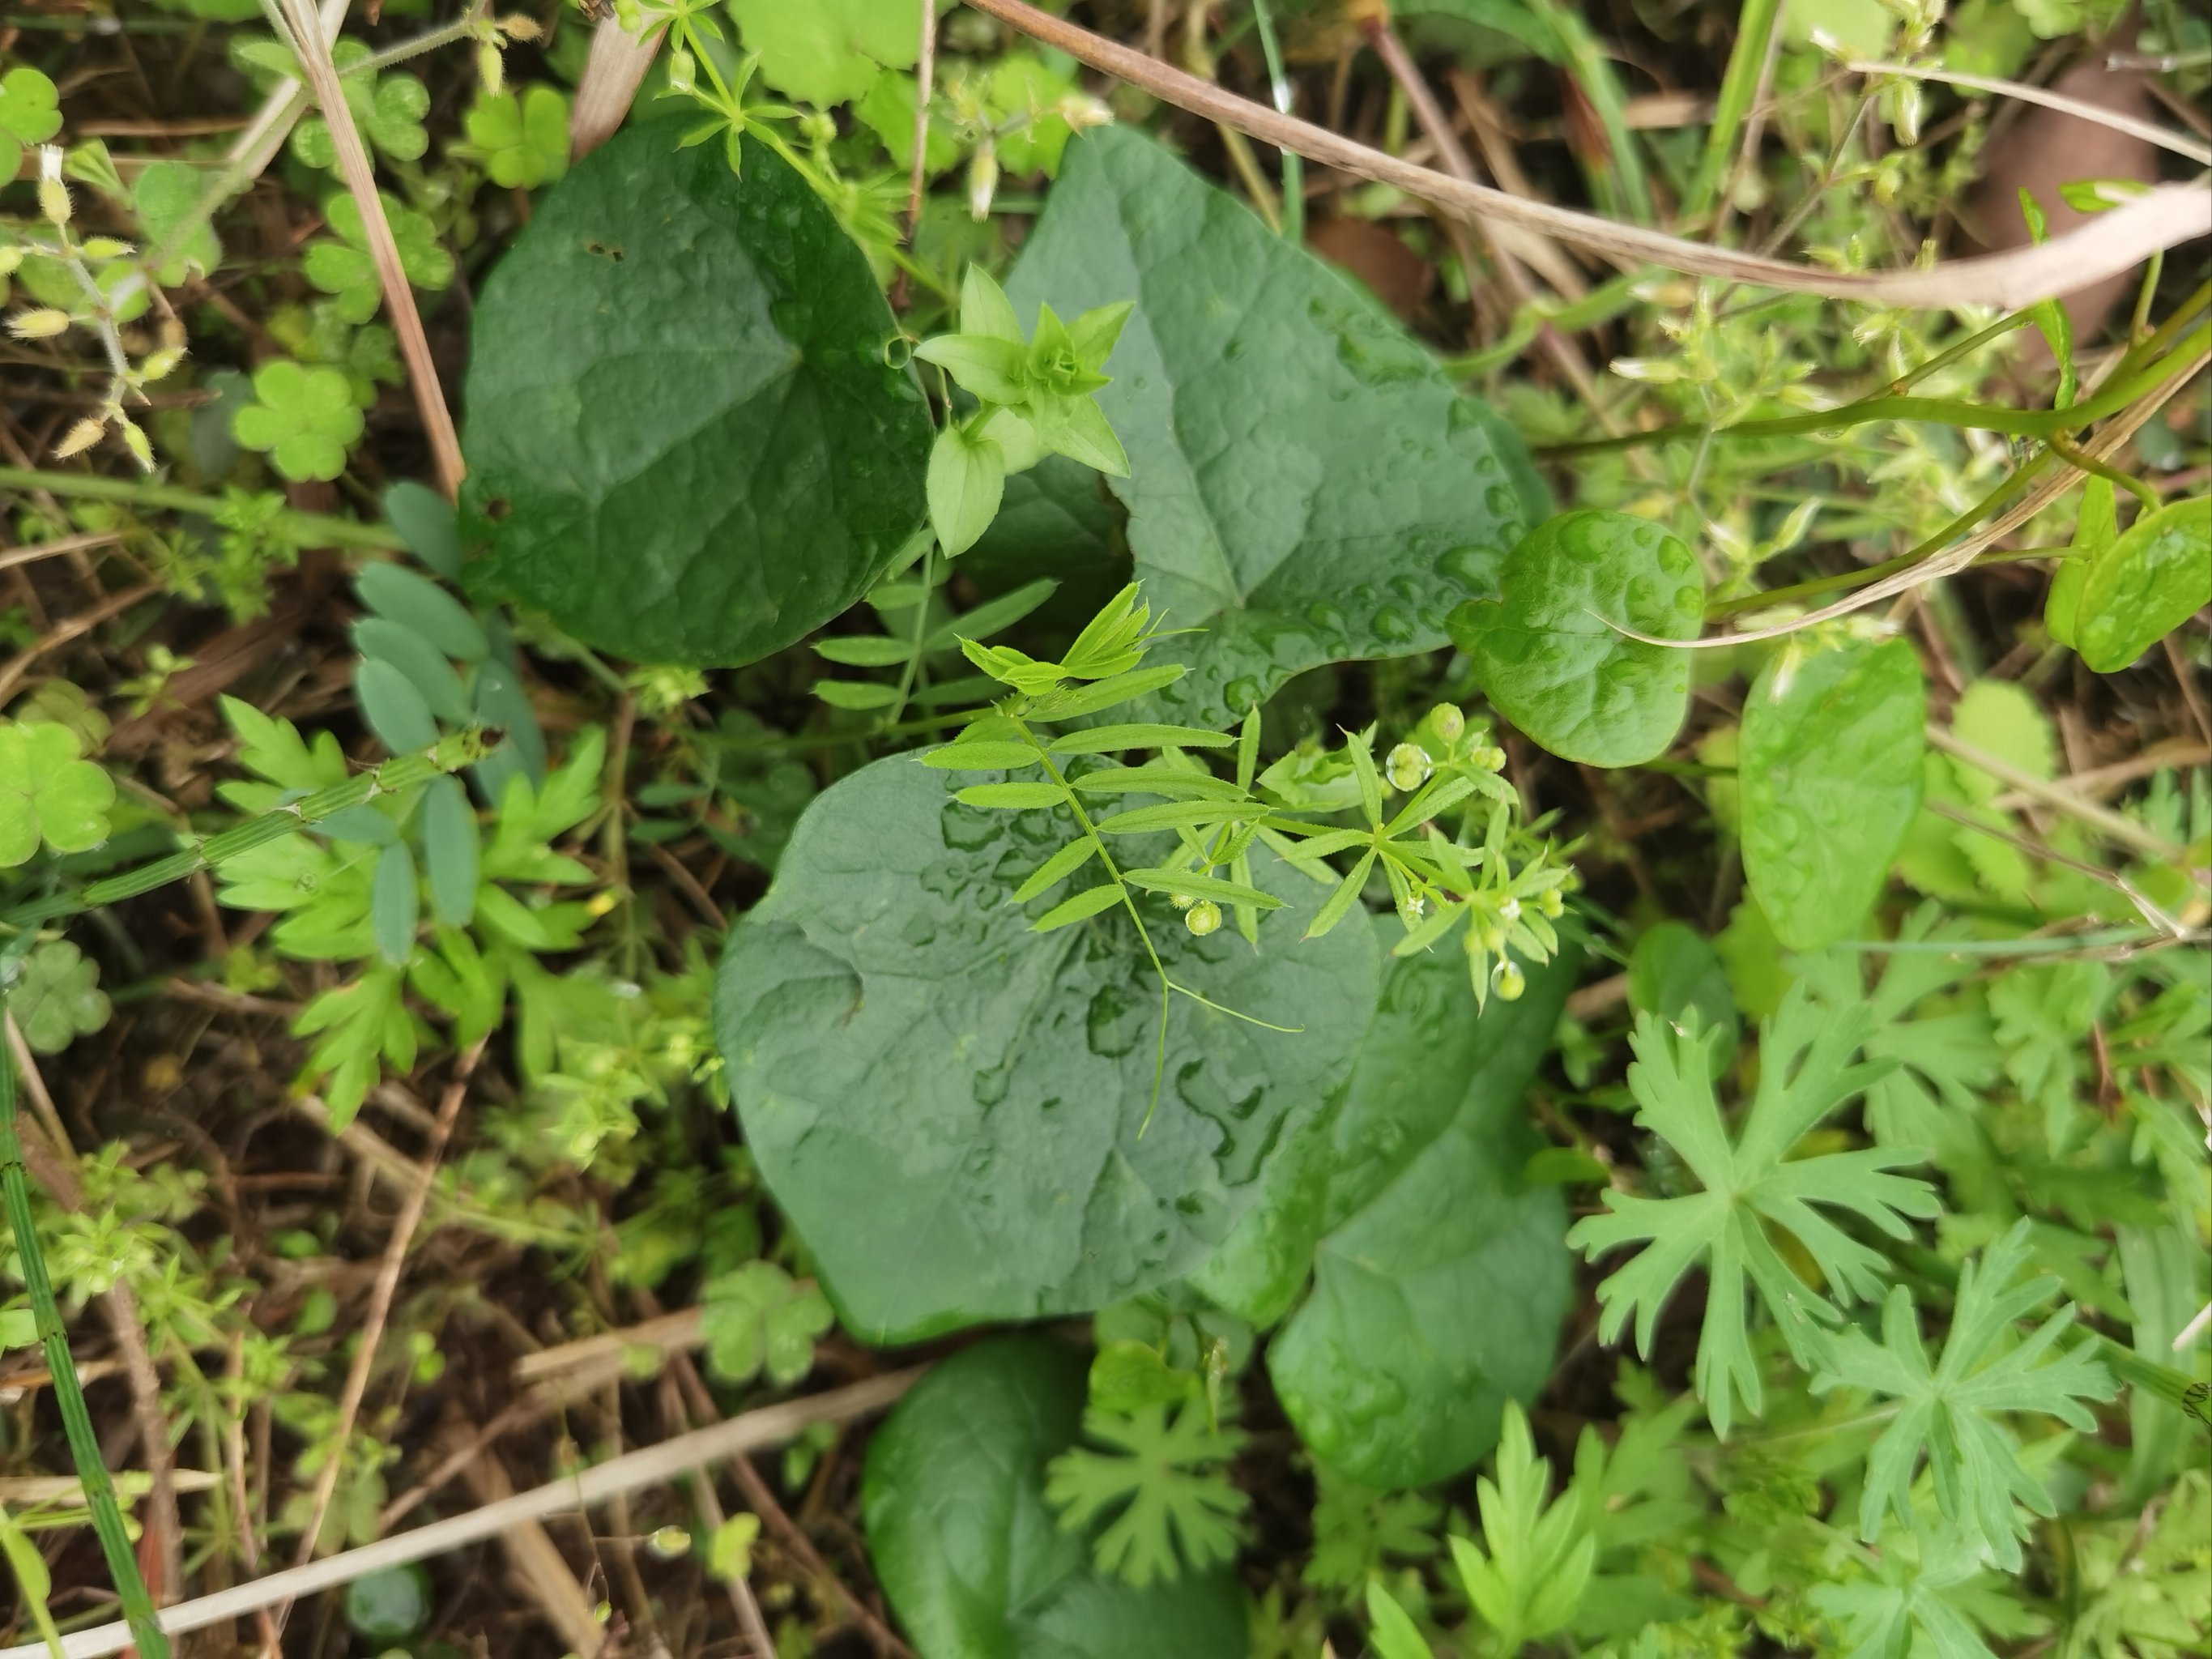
(41, 323)
(983, 180)
(491, 68)
(1550, 903)
(1202, 918)
(1447, 722)
(682, 70)
(160, 366)
(1490, 758)
(1510, 980)
(1407, 766)
(1182, 900)
(105, 247)
(135, 440)
(54, 194)
(670, 1543)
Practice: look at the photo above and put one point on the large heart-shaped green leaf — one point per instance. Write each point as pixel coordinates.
(2147, 584)
(684, 442)
(951, 1108)
(1829, 780)
(971, 1555)
(1304, 482)
(1550, 651)
(1439, 1281)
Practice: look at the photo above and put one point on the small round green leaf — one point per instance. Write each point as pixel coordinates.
(1549, 650)
(1830, 779)
(416, 603)
(393, 707)
(2147, 584)
(718, 459)
(425, 521)
(389, 1606)
(396, 903)
(47, 793)
(450, 850)
(971, 1555)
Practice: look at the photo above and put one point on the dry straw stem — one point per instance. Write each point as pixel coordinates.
(380, 1299)
(2180, 144)
(314, 53)
(651, 1466)
(2117, 241)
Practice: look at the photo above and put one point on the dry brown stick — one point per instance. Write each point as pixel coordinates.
(121, 1308)
(743, 1603)
(1565, 355)
(379, 1301)
(76, 627)
(360, 175)
(537, 1561)
(649, 1466)
(2116, 241)
(788, 1531)
(925, 76)
(233, 1441)
(2178, 754)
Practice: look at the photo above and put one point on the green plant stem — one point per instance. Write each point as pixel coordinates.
(1942, 411)
(76, 1421)
(1951, 354)
(449, 754)
(1739, 86)
(1294, 164)
(310, 529)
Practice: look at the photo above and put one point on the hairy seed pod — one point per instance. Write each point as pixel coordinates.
(79, 438)
(1508, 979)
(1202, 918)
(1447, 722)
(135, 440)
(41, 323)
(1550, 903)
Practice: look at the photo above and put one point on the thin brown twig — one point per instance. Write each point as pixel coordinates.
(788, 1531)
(1565, 355)
(379, 1301)
(360, 175)
(2116, 241)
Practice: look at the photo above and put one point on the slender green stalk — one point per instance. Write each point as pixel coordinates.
(449, 754)
(1294, 164)
(76, 1421)
(309, 529)
(1942, 411)
(1755, 29)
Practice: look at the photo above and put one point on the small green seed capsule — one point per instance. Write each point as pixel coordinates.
(1508, 981)
(1202, 918)
(1407, 766)
(1550, 903)
(1492, 937)
(1447, 722)
(1490, 758)
(670, 1543)
(1182, 900)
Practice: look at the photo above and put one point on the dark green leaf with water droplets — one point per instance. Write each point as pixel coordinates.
(1549, 650)
(947, 1104)
(1304, 483)
(970, 1554)
(2147, 584)
(1439, 1277)
(1829, 778)
(685, 444)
